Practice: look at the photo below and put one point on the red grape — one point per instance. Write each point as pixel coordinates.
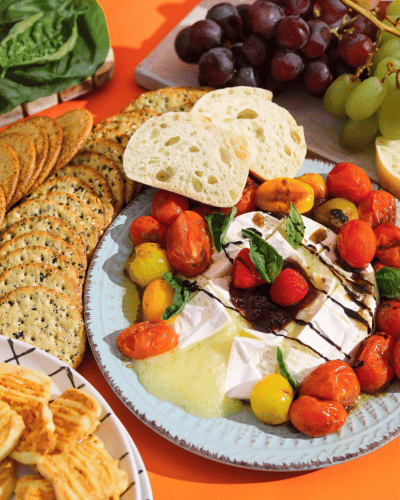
(319, 39)
(244, 77)
(381, 9)
(292, 33)
(361, 24)
(317, 76)
(227, 16)
(286, 66)
(296, 7)
(329, 11)
(254, 50)
(216, 66)
(185, 49)
(205, 35)
(354, 48)
(264, 18)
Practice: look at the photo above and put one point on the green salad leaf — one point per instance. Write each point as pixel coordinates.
(388, 279)
(294, 227)
(218, 224)
(183, 291)
(283, 370)
(267, 261)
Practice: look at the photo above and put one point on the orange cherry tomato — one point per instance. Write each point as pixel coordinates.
(146, 229)
(145, 339)
(377, 264)
(166, 206)
(388, 244)
(316, 417)
(373, 362)
(348, 181)
(243, 273)
(396, 358)
(388, 318)
(188, 243)
(334, 380)
(378, 207)
(356, 243)
(247, 202)
(316, 181)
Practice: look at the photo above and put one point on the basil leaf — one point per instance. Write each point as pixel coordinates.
(283, 370)
(218, 225)
(294, 227)
(183, 290)
(267, 261)
(388, 279)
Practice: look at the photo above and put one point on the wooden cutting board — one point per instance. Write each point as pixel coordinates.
(163, 68)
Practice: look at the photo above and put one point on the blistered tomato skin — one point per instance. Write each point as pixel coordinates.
(378, 207)
(166, 206)
(388, 318)
(247, 202)
(396, 358)
(388, 244)
(334, 380)
(148, 262)
(276, 195)
(317, 182)
(145, 339)
(188, 244)
(356, 243)
(147, 229)
(157, 296)
(373, 363)
(316, 417)
(348, 181)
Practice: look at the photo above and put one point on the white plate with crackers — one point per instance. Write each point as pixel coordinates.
(116, 439)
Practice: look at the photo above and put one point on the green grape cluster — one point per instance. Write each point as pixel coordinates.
(372, 105)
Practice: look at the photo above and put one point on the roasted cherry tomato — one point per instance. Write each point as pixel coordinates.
(147, 229)
(334, 380)
(247, 202)
(316, 181)
(388, 318)
(316, 417)
(243, 273)
(356, 243)
(388, 244)
(145, 339)
(166, 206)
(348, 181)
(276, 195)
(188, 243)
(396, 358)
(373, 362)
(378, 207)
(377, 264)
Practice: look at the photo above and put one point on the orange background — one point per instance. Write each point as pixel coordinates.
(136, 27)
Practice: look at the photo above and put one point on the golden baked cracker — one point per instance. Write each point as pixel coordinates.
(76, 125)
(97, 182)
(43, 238)
(168, 99)
(34, 487)
(2, 206)
(73, 185)
(25, 148)
(40, 140)
(11, 427)
(8, 478)
(55, 136)
(106, 167)
(118, 134)
(35, 274)
(9, 171)
(41, 255)
(76, 415)
(86, 471)
(45, 319)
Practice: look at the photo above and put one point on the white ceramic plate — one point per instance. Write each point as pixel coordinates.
(116, 439)
(241, 440)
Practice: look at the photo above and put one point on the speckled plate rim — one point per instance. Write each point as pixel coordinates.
(241, 440)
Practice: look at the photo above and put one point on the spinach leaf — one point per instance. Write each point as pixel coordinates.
(388, 279)
(218, 225)
(183, 290)
(283, 369)
(267, 261)
(294, 227)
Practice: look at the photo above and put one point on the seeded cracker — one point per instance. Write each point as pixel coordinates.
(45, 319)
(2, 206)
(9, 171)
(26, 152)
(76, 126)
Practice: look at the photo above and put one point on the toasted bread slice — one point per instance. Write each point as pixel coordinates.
(8, 478)
(76, 415)
(11, 427)
(34, 487)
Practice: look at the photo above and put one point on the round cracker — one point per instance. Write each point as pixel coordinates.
(9, 171)
(45, 319)
(76, 125)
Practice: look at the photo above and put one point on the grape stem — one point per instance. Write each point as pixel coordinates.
(371, 17)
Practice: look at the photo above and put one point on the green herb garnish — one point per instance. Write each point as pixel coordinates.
(283, 369)
(294, 227)
(218, 224)
(388, 279)
(183, 291)
(267, 261)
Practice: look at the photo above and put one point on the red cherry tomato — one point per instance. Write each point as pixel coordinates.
(388, 244)
(334, 380)
(316, 417)
(378, 207)
(247, 202)
(356, 243)
(188, 243)
(166, 206)
(388, 318)
(396, 358)
(348, 181)
(373, 363)
(147, 229)
(243, 273)
(146, 339)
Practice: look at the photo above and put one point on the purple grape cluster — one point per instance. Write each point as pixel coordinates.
(273, 43)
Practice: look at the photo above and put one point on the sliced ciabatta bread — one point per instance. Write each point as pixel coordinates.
(276, 144)
(189, 155)
(388, 164)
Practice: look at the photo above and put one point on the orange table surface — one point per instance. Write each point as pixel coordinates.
(136, 27)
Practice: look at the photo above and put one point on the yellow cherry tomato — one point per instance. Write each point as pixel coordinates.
(271, 398)
(148, 262)
(276, 195)
(157, 296)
